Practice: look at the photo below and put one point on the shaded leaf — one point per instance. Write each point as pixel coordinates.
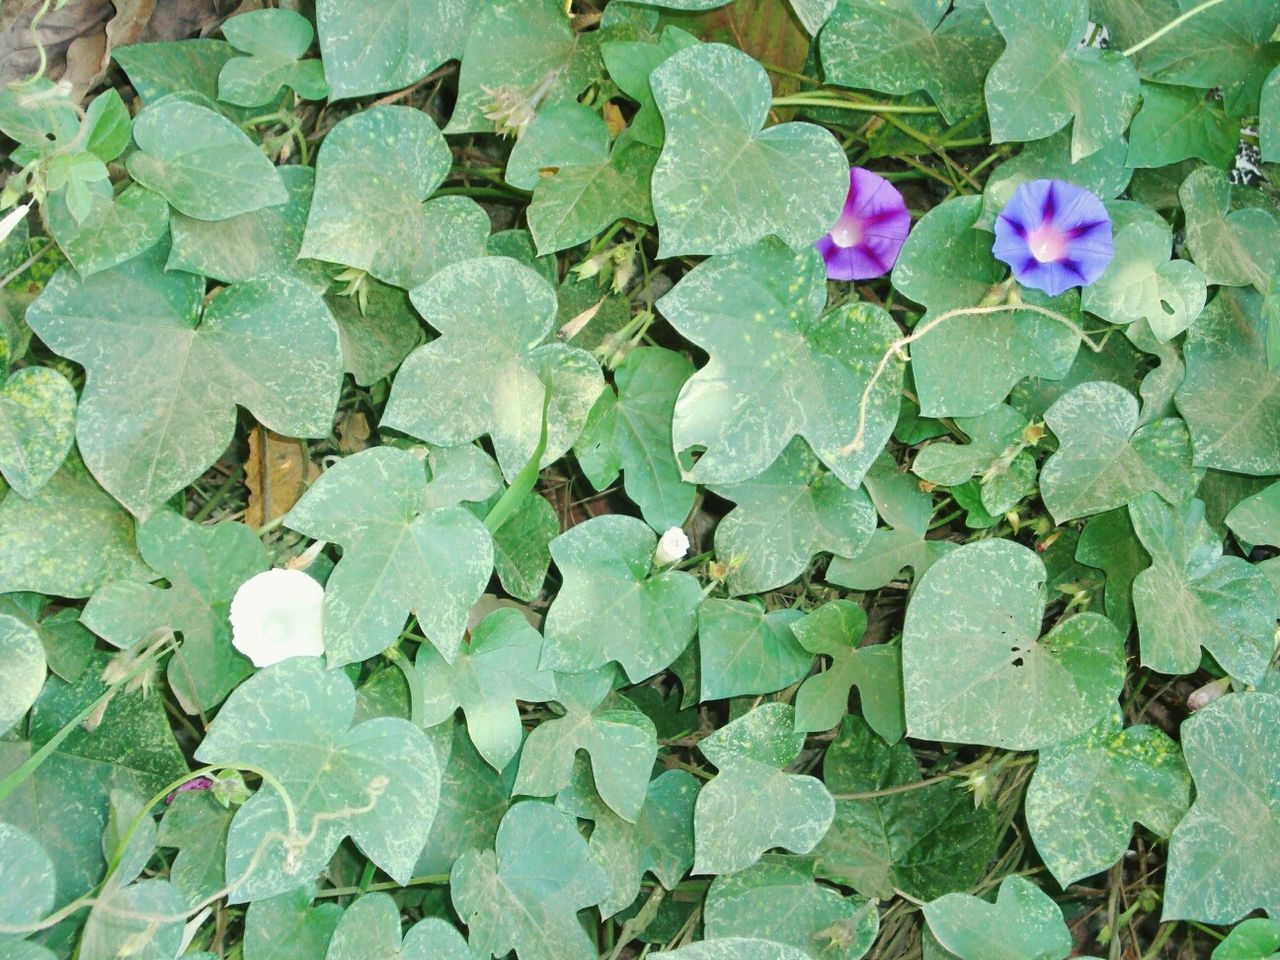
(1023, 924)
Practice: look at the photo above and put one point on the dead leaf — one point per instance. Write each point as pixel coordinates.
(353, 432)
(613, 118)
(276, 474)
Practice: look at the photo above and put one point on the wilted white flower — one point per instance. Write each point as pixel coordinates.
(671, 547)
(276, 615)
(11, 221)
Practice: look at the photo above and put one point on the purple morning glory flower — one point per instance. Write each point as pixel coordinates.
(1054, 235)
(865, 241)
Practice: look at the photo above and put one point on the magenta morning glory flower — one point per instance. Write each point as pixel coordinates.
(865, 241)
(1054, 235)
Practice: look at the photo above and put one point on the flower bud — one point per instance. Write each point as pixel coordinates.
(672, 547)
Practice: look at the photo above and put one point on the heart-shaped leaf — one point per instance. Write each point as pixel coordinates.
(370, 929)
(37, 427)
(745, 650)
(1176, 123)
(276, 41)
(1233, 247)
(115, 228)
(1023, 924)
(723, 182)
(981, 673)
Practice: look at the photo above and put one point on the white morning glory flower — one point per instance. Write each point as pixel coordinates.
(275, 615)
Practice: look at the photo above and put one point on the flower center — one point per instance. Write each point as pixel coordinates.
(1047, 244)
(847, 232)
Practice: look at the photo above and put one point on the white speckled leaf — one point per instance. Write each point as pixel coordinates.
(379, 45)
(926, 840)
(288, 927)
(1045, 78)
(629, 430)
(67, 540)
(201, 162)
(26, 873)
(784, 517)
(630, 62)
(204, 566)
(400, 556)
(489, 370)
(493, 671)
(525, 894)
(22, 671)
(370, 930)
(946, 263)
(1256, 519)
(744, 650)
(778, 900)
(561, 135)
(1023, 924)
(779, 367)
(620, 740)
(660, 842)
(723, 182)
(735, 948)
(1105, 460)
(613, 606)
(752, 806)
(902, 46)
(1086, 794)
(116, 229)
(990, 435)
(378, 782)
(518, 44)
(975, 668)
(37, 427)
(275, 41)
(159, 402)
(1193, 596)
(118, 922)
(835, 630)
(1234, 247)
(1230, 398)
(1222, 853)
(373, 173)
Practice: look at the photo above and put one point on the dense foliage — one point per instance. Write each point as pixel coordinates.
(450, 507)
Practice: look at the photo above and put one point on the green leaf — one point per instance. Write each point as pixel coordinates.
(1269, 122)
(1141, 282)
(288, 927)
(620, 740)
(158, 405)
(521, 554)
(204, 566)
(1255, 939)
(37, 427)
(630, 64)
(785, 517)
(35, 115)
(179, 66)
(115, 228)
(489, 370)
(67, 645)
(981, 673)
(629, 431)
(906, 509)
(388, 44)
(778, 900)
(947, 264)
(526, 47)
(276, 41)
(835, 630)
(120, 920)
(926, 840)
(1234, 247)
(1193, 596)
(1176, 123)
(196, 824)
(561, 135)
(660, 842)
(201, 162)
(735, 948)
(370, 930)
(1256, 519)
(752, 805)
(995, 454)
(27, 874)
(495, 670)
(745, 650)
(1023, 924)
(723, 182)
(1045, 78)
(373, 173)
(908, 45)
(253, 244)
(1221, 852)
(1109, 544)
(67, 540)
(1105, 460)
(613, 605)
(1086, 794)
(576, 202)
(1235, 428)
(378, 782)
(778, 367)
(375, 341)
(401, 555)
(524, 895)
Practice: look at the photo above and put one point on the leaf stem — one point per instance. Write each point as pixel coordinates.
(840, 103)
(524, 481)
(1171, 25)
(435, 879)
